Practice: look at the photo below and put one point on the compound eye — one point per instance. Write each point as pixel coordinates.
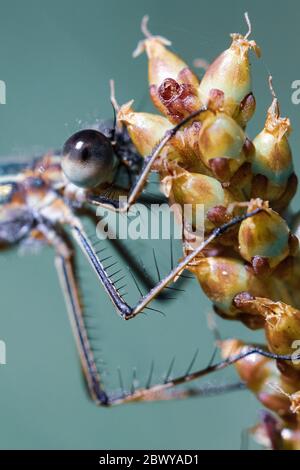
(88, 159)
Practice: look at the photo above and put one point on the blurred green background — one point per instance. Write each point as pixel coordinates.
(56, 59)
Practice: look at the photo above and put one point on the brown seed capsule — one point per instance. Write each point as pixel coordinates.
(173, 85)
(230, 75)
(272, 161)
(222, 278)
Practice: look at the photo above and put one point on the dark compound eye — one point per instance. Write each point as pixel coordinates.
(88, 159)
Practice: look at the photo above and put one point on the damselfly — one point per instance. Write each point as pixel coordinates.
(202, 155)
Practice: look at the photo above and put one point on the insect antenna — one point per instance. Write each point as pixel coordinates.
(115, 107)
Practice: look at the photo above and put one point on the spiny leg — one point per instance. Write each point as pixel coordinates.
(65, 267)
(135, 192)
(126, 311)
(165, 391)
(68, 283)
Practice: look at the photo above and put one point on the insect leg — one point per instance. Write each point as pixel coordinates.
(142, 179)
(165, 391)
(126, 311)
(68, 283)
(65, 267)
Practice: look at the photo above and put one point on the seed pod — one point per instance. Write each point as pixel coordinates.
(197, 190)
(145, 129)
(173, 85)
(275, 434)
(268, 432)
(262, 377)
(282, 324)
(222, 278)
(254, 369)
(230, 75)
(272, 161)
(221, 145)
(264, 236)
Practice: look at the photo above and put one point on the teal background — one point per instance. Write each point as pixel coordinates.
(56, 59)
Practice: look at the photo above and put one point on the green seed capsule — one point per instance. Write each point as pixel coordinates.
(145, 129)
(230, 75)
(221, 142)
(196, 189)
(273, 156)
(264, 235)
